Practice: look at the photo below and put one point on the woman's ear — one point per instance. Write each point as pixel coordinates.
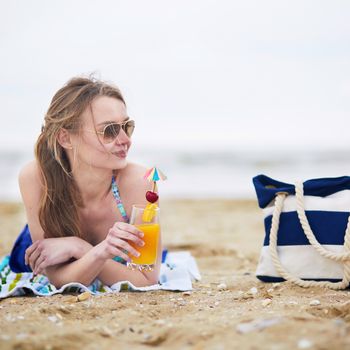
(64, 139)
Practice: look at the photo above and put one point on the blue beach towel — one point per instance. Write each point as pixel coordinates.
(178, 270)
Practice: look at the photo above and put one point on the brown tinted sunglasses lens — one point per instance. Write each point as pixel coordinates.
(129, 127)
(111, 131)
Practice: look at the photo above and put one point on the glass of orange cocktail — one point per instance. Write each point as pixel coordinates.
(148, 223)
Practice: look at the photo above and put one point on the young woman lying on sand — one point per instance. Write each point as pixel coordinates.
(76, 232)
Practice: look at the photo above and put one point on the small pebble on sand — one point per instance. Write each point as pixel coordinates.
(266, 302)
(53, 319)
(160, 322)
(222, 286)
(252, 291)
(304, 344)
(83, 296)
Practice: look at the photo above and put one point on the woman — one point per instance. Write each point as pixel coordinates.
(77, 229)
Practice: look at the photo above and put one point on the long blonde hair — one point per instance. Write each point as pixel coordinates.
(58, 211)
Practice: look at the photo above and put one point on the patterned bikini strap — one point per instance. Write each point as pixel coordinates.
(120, 205)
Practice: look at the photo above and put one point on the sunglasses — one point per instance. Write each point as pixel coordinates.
(111, 131)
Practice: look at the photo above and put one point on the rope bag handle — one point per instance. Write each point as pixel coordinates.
(340, 257)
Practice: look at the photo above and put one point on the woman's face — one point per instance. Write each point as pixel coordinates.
(89, 146)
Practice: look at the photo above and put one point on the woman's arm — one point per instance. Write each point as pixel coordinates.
(43, 252)
(53, 251)
(111, 273)
(94, 265)
(31, 187)
(97, 262)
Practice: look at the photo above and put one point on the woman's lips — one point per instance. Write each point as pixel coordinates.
(121, 154)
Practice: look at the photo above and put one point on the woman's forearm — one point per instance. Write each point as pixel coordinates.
(114, 272)
(89, 265)
(80, 248)
(83, 270)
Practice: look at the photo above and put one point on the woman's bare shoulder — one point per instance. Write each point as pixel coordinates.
(31, 186)
(132, 177)
(30, 176)
(135, 171)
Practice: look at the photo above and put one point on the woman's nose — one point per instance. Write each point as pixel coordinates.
(122, 137)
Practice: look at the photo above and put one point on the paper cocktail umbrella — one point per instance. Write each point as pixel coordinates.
(153, 175)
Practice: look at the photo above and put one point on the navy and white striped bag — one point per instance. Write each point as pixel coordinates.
(307, 229)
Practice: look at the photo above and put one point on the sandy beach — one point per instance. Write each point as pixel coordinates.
(228, 309)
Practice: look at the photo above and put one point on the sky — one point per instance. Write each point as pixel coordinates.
(233, 75)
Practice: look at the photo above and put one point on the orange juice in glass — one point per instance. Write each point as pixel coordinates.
(151, 229)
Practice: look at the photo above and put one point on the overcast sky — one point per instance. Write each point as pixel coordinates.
(195, 74)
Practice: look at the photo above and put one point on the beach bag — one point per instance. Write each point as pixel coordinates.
(307, 229)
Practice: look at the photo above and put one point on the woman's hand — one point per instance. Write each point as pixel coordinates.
(117, 242)
(50, 251)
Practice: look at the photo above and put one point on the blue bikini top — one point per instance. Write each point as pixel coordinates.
(120, 205)
(121, 208)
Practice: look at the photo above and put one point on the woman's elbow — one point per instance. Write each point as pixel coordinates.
(56, 282)
(58, 279)
(59, 283)
(151, 280)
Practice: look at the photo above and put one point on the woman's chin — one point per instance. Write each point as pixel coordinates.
(120, 163)
(113, 162)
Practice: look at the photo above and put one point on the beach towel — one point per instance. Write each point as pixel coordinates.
(178, 270)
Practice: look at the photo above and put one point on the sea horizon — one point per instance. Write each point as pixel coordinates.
(207, 173)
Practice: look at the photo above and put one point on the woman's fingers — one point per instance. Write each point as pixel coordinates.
(126, 246)
(29, 251)
(118, 239)
(39, 265)
(130, 237)
(33, 257)
(120, 243)
(122, 255)
(123, 226)
(128, 232)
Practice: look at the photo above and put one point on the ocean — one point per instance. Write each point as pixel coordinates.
(220, 173)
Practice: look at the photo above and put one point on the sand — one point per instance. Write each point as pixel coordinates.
(225, 237)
